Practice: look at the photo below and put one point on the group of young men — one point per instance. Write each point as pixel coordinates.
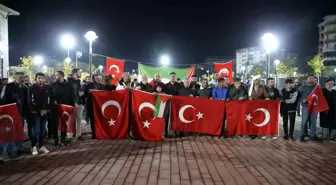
(37, 103)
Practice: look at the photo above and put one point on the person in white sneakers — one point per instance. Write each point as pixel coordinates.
(38, 102)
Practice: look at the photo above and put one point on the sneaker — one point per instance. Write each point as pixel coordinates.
(286, 138)
(44, 150)
(34, 150)
(291, 138)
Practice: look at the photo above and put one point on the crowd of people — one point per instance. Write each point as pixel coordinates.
(37, 102)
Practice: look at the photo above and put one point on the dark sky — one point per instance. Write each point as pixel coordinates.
(142, 30)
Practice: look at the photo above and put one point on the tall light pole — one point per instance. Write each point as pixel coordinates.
(90, 36)
(68, 42)
(78, 55)
(276, 63)
(100, 68)
(270, 43)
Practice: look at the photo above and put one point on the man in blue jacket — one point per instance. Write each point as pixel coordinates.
(221, 92)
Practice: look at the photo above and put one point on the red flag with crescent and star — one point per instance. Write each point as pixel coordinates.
(316, 101)
(257, 117)
(201, 115)
(224, 70)
(66, 119)
(145, 125)
(115, 68)
(111, 113)
(11, 128)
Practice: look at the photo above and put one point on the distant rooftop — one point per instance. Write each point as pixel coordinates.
(8, 10)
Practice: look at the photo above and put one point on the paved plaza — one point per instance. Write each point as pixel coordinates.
(177, 161)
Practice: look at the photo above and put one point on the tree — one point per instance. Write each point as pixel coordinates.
(256, 70)
(27, 65)
(93, 69)
(281, 68)
(11, 72)
(67, 68)
(316, 64)
(84, 75)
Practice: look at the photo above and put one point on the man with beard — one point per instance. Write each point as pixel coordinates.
(186, 90)
(194, 84)
(15, 92)
(206, 90)
(95, 85)
(144, 85)
(61, 92)
(328, 118)
(258, 91)
(38, 101)
(156, 81)
(172, 87)
(214, 82)
(109, 83)
(78, 94)
(305, 90)
(238, 91)
(125, 82)
(273, 92)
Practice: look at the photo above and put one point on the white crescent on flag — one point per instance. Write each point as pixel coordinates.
(66, 113)
(8, 117)
(116, 67)
(146, 104)
(181, 112)
(267, 117)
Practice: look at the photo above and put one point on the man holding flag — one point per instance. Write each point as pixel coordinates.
(312, 102)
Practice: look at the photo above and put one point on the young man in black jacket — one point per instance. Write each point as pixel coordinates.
(289, 100)
(61, 92)
(172, 87)
(38, 102)
(274, 93)
(206, 91)
(95, 85)
(15, 92)
(75, 82)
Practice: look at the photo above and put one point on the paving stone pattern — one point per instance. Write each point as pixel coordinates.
(177, 161)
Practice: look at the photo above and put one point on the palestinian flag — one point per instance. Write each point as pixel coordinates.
(160, 106)
(150, 71)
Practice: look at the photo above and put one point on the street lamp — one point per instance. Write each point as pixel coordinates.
(90, 36)
(78, 55)
(243, 69)
(276, 63)
(44, 69)
(133, 71)
(67, 42)
(270, 43)
(68, 60)
(100, 68)
(165, 60)
(38, 60)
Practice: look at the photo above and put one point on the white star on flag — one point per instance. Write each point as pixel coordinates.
(146, 124)
(199, 115)
(8, 129)
(248, 117)
(113, 75)
(112, 122)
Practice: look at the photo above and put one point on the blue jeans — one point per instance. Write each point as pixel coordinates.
(38, 124)
(313, 119)
(15, 145)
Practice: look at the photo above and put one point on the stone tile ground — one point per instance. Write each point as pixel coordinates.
(177, 161)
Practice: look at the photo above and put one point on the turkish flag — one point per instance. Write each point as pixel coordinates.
(115, 68)
(144, 125)
(224, 69)
(66, 119)
(111, 113)
(316, 101)
(197, 115)
(11, 128)
(257, 117)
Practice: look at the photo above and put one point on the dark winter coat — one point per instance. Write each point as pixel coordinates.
(328, 118)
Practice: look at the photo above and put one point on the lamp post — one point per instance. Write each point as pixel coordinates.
(78, 55)
(67, 42)
(100, 68)
(165, 60)
(276, 63)
(335, 74)
(90, 36)
(270, 43)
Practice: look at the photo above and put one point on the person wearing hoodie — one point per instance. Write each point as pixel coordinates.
(205, 91)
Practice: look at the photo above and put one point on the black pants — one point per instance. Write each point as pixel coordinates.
(291, 116)
(50, 126)
(89, 109)
(54, 125)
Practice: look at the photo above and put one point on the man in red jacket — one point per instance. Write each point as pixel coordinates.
(157, 81)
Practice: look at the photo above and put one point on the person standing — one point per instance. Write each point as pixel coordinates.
(305, 90)
(144, 85)
(194, 85)
(156, 81)
(15, 92)
(61, 92)
(213, 83)
(38, 102)
(109, 85)
(125, 82)
(258, 91)
(172, 87)
(95, 85)
(328, 118)
(273, 92)
(206, 90)
(297, 85)
(221, 93)
(186, 90)
(289, 100)
(238, 91)
(75, 82)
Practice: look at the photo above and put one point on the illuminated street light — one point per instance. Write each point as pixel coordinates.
(38, 60)
(67, 60)
(276, 62)
(270, 43)
(67, 42)
(44, 69)
(165, 60)
(100, 68)
(90, 36)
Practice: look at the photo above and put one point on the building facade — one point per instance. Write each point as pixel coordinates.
(246, 58)
(4, 61)
(327, 40)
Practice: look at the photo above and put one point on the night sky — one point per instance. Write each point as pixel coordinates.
(188, 31)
